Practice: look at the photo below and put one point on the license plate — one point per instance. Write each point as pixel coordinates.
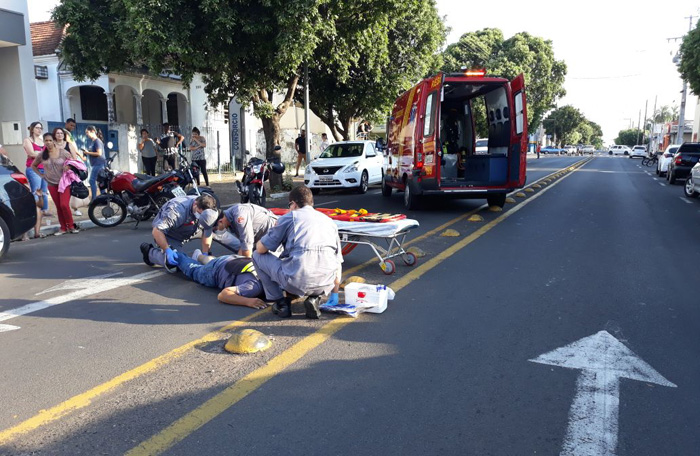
(177, 191)
(325, 178)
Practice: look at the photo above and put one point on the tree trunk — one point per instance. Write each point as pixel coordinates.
(271, 130)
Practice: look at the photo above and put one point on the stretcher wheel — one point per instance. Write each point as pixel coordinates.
(410, 259)
(388, 267)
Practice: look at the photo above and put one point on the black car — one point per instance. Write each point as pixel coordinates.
(17, 207)
(684, 160)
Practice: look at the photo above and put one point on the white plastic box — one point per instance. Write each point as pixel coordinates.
(367, 297)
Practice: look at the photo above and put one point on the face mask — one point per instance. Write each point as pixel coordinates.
(197, 215)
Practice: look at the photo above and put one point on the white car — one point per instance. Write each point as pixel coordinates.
(692, 183)
(638, 151)
(346, 164)
(619, 150)
(588, 149)
(482, 147)
(665, 159)
(570, 150)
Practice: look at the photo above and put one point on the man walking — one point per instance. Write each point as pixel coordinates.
(311, 262)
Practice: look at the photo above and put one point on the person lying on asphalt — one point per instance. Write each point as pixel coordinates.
(234, 275)
(311, 262)
(248, 223)
(178, 221)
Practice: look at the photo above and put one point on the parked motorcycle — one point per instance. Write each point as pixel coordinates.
(255, 173)
(187, 177)
(137, 195)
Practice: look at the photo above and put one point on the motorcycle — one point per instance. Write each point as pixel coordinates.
(255, 173)
(187, 176)
(137, 195)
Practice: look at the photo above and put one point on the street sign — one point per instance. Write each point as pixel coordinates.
(593, 416)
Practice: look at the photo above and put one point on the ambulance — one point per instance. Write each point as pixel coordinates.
(431, 139)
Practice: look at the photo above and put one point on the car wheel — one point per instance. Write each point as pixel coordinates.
(4, 238)
(671, 177)
(689, 188)
(498, 200)
(364, 183)
(410, 200)
(658, 173)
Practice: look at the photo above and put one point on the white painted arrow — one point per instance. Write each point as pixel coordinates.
(90, 287)
(593, 417)
(79, 284)
(5, 328)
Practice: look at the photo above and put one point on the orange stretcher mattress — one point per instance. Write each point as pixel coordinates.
(350, 215)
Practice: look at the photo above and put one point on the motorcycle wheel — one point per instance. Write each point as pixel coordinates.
(107, 213)
(162, 198)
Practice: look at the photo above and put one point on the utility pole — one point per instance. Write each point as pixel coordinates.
(677, 61)
(646, 105)
(639, 122)
(307, 123)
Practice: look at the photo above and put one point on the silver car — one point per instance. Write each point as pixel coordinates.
(692, 183)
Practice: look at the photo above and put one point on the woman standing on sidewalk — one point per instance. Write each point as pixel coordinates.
(97, 157)
(33, 145)
(60, 138)
(148, 153)
(198, 146)
(54, 160)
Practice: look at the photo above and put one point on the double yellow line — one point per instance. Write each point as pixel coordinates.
(245, 386)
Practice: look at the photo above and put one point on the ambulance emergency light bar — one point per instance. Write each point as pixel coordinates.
(474, 72)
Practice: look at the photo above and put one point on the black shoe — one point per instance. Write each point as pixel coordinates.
(282, 308)
(311, 305)
(145, 250)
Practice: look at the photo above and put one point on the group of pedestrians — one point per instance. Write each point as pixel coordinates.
(275, 259)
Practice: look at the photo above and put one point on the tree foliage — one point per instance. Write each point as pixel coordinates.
(689, 67)
(370, 53)
(628, 137)
(522, 53)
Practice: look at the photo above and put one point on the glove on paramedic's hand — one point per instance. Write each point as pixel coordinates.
(171, 256)
(332, 300)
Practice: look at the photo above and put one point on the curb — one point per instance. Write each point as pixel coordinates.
(82, 224)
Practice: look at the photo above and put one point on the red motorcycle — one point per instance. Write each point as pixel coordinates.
(137, 195)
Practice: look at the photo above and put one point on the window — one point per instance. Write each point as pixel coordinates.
(93, 103)
(519, 118)
(41, 72)
(429, 115)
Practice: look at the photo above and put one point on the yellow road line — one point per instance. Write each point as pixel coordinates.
(84, 399)
(221, 402)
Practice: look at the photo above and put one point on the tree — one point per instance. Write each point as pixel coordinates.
(522, 53)
(246, 49)
(627, 137)
(689, 67)
(564, 123)
(364, 61)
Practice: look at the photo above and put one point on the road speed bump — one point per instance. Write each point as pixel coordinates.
(520, 195)
(450, 233)
(353, 279)
(476, 218)
(510, 200)
(495, 209)
(536, 186)
(543, 183)
(244, 341)
(417, 251)
(529, 190)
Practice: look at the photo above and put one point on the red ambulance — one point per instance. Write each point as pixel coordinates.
(431, 138)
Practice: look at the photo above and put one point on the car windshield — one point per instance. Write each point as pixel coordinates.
(690, 147)
(342, 151)
(482, 143)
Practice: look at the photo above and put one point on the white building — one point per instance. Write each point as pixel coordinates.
(18, 103)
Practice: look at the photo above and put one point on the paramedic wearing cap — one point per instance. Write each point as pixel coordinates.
(249, 223)
(234, 275)
(178, 221)
(311, 262)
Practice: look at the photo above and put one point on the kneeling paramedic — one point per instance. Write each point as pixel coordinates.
(178, 221)
(234, 275)
(248, 223)
(310, 264)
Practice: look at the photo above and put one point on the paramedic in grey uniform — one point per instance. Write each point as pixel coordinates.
(248, 223)
(178, 221)
(311, 262)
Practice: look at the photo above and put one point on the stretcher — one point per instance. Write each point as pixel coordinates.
(386, 240)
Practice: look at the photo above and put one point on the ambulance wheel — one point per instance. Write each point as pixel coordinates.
(410, 259)
(410, 199)
(386, 188)
(498, 199)
(389, 267)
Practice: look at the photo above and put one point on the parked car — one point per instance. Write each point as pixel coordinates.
(346, 164)
(482, 147)
(17, 208)
(692, 183)
(570, 150)
(638, 151)
(550, 150)
(665, 159)
(684, 160)
(619, 150)
(588, 149)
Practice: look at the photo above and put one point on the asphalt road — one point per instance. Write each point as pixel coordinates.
(445, 370)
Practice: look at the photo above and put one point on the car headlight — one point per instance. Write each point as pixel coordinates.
(309, 170)
(351, 168)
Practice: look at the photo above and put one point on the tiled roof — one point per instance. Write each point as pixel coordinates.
(45, 37)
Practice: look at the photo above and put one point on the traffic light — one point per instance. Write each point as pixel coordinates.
(226, 114)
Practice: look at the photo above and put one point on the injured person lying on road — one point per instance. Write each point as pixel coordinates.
(233, 274)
